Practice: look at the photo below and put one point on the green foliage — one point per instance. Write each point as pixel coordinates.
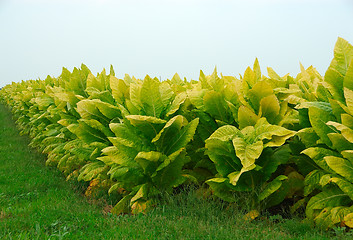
(328, 139)
(254, 135)
(147, 163)
(246, 161)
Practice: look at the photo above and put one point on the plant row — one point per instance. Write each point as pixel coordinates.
(273, 139)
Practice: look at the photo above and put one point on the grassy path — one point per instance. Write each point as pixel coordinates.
(37, 203)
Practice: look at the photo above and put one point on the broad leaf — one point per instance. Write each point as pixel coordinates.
(340, 166)
(318, 119)
(149, 126)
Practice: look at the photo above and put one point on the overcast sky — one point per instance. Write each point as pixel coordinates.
(162, 37)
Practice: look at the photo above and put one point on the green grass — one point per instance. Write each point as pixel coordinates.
(37, 203)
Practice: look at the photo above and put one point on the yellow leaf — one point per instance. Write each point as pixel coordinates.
(139, 207)
(251, 215)
(348, 220)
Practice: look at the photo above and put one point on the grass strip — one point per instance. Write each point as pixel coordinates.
(37, 203)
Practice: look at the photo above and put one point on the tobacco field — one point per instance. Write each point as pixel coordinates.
(278, 140)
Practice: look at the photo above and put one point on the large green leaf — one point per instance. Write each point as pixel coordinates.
(317, 154)
(272, 158)
(260, 90)
(94, 124)
(108, 110)
(129, 176)
(343, 54)
(216, 82)
(88, 110)
(225, 133)
(118, 154)
(318, 119)
(150, 97)
(272, 187)
(346, 132)
(196, 95)
(129, 136)
(348, 95)
(181, 138)
(246, 117)
(93, 82)
(171, 128)
(235, 176)
(222, 153)
(207, 125)
(247, 153)
(135, 97)
(348, 78)
(308, 137)
(330, 197)
(91, 170)
(340, 166)
(221, 150)
(269, 108)
(119, 89)
(167, 94)
(249, 80)
(339, 142)
(87, 133)
(345, 186)
(175, 105)
(169, 174)
(274, 135)
(347, 120)
(338, 109)
(149, 161)
(312, 181)
(148, 125)
(216, 105)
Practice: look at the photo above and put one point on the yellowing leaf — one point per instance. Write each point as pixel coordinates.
(150, 97)
(139, 207)
(348, 220)
(119, 89)
(341, 166)
(348, 79)
(253, 214)
(348, 95)
(147, 124)
(269, 108)
(260, 90)
(216, 105)
(246, 117)
(142, 192)
(346, 132)
(247, 153)
(334, 76)
(234, 176)
(92, 81)
(175, 105)
(225, 133)
(122, 206)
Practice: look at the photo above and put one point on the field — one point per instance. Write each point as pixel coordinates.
(216, 158)
(37, 203)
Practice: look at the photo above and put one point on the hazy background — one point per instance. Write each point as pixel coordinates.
(161, 37)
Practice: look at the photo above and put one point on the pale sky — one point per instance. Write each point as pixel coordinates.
(162, 37)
